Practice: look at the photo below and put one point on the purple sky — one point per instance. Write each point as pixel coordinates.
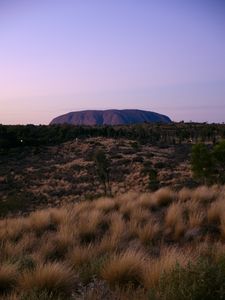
(58, 56)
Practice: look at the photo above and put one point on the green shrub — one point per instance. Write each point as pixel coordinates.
(203, 280)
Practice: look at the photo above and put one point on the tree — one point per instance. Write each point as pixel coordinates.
(102, 169)
(219, 161)
(153, 182)
(201, 162)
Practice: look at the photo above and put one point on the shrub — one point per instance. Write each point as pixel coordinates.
(148, 232)
(153, 182)
(216, 211)
(184, 194)
(91, 269)
(87, 225)
(201, 162)
(55, 278)
(167, 260)
(174, 219)
(203, 280)
(81, 255)
(8, 278)
(195, 219)
(204, 194)
(40, 221)
(105, 204)
(125, 268)
(102, 169)
(164, 196)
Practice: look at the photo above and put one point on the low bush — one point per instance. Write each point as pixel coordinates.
(203, 280)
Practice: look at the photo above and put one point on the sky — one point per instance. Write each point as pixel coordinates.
(58, 56)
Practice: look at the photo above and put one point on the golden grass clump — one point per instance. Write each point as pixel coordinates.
(204, 194)
(128, 197)
(105, 204)
(81, 255)
(13, 228)
(184, 194)
(58, 215)
(8, 278)
(195, 219)
(164, 196)
(122, 240)
(40, 220)
(117, 228)
(126, 209)
(55, 248)
(15, 249)
(216, 211)
(174, 219)
(56, 278)
(111, 240)
(166, 262)
(74, 212)
(124, 268)
(9, 249)
(148, 232)
(64, 237)
(146, 201)
(108, 243)
(87, 225)
(140, 215)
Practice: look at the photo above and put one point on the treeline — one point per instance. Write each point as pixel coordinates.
(12, 136)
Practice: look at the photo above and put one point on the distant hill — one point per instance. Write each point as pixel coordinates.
(110, 117)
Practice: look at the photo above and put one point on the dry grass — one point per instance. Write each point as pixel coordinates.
(129, 241)
(40, 221)
(13, 231)
(168, 259)
(125, 268)
(196, 219)
(87, 225)
(146, 201)
(105, 204)
(148, 232)
(216, 211)
(58, 216)
(174, 219)
(164, 196)
(205, 194)
(81, 255)
(55, 278)
(184, 194)
(8, 278)
(140, 215)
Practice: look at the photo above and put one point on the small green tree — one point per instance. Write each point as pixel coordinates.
(153, 182)
(102, 169)
(201, 162)
(219, 161)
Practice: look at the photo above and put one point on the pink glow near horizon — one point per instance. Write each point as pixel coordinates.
(63, 55)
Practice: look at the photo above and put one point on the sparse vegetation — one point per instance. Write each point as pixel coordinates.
(112, 212)
(208, 163)
(154, 245)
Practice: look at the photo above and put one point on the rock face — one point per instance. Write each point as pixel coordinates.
(110, 117)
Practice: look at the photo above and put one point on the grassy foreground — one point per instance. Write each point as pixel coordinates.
(163, 245)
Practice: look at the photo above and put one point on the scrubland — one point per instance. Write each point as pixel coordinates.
(160, 245)
(31, 179)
